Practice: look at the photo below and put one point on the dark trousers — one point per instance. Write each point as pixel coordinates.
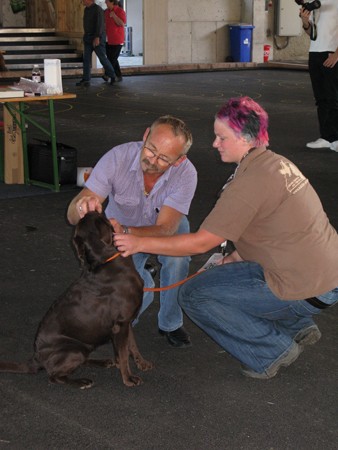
(325, 89)
(113, 52)
(101, 54)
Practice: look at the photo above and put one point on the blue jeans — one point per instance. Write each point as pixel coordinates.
(100, 51)
(173, 269)
(233, 304)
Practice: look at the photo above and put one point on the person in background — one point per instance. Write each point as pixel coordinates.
(116, 19)
(322, 27)
(258, 303)
(3, 67)
(149, 186)
(94, 40)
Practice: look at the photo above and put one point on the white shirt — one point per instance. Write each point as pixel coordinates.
(326, 19)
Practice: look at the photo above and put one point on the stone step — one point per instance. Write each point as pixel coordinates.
(24, 47)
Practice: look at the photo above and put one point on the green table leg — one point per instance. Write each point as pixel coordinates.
(54, 146)
(24, 141)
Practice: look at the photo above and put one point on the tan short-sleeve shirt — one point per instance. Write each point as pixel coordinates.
(275, 218)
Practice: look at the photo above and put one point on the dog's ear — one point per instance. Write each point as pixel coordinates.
(80, 248)
(105, 230)
(90, 250)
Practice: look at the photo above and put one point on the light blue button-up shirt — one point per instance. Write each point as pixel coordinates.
(118, 175)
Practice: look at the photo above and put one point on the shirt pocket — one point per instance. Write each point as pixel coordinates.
(128, 206)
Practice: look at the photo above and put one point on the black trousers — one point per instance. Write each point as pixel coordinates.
(113, 52)
(325, 89)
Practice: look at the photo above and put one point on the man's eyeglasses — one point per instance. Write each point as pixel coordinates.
(162, 160)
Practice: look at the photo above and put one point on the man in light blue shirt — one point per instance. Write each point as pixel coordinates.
(149, 185)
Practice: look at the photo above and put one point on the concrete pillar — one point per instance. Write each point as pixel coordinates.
(253, 12)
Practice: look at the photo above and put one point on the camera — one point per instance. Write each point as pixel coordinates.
(309, 6)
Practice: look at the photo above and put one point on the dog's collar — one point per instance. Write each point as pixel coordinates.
(113, 257)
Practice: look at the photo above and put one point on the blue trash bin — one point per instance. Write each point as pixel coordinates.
(241, 42)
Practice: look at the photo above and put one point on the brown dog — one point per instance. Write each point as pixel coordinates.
(98, 307)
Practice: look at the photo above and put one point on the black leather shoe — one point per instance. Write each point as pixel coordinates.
(178, 338)
(105, 77)
(112, 81)
(83, 83)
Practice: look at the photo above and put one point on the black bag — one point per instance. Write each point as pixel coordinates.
(40, 162)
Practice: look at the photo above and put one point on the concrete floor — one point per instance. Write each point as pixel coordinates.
(194, 399)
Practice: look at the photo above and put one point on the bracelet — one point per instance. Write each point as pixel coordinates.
(125, 229)
(309, 25)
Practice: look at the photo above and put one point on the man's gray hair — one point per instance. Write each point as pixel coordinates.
(178, 127)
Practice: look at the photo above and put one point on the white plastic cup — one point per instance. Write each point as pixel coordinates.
(83, 175)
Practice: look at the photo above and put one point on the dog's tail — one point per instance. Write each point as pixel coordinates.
(30, 366)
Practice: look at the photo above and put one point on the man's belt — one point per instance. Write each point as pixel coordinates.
(317, 303)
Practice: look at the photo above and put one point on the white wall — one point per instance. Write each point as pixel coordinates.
(188, 31)
(198, 31)
(134, 11)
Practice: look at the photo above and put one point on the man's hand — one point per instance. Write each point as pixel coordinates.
(116, 225)
(304, 14)
(331, 60)
(86, 204)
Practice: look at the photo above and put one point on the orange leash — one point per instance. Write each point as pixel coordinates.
(165, 288)
(171, 286)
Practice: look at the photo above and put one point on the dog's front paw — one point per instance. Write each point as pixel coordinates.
(132, 380)
(143, 364)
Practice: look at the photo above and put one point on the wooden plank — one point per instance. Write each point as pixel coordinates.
(13, 154)
(69, 16)
(66, 96)
(40, 13)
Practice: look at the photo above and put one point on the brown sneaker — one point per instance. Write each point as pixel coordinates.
(284, 361)
(308, 336)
